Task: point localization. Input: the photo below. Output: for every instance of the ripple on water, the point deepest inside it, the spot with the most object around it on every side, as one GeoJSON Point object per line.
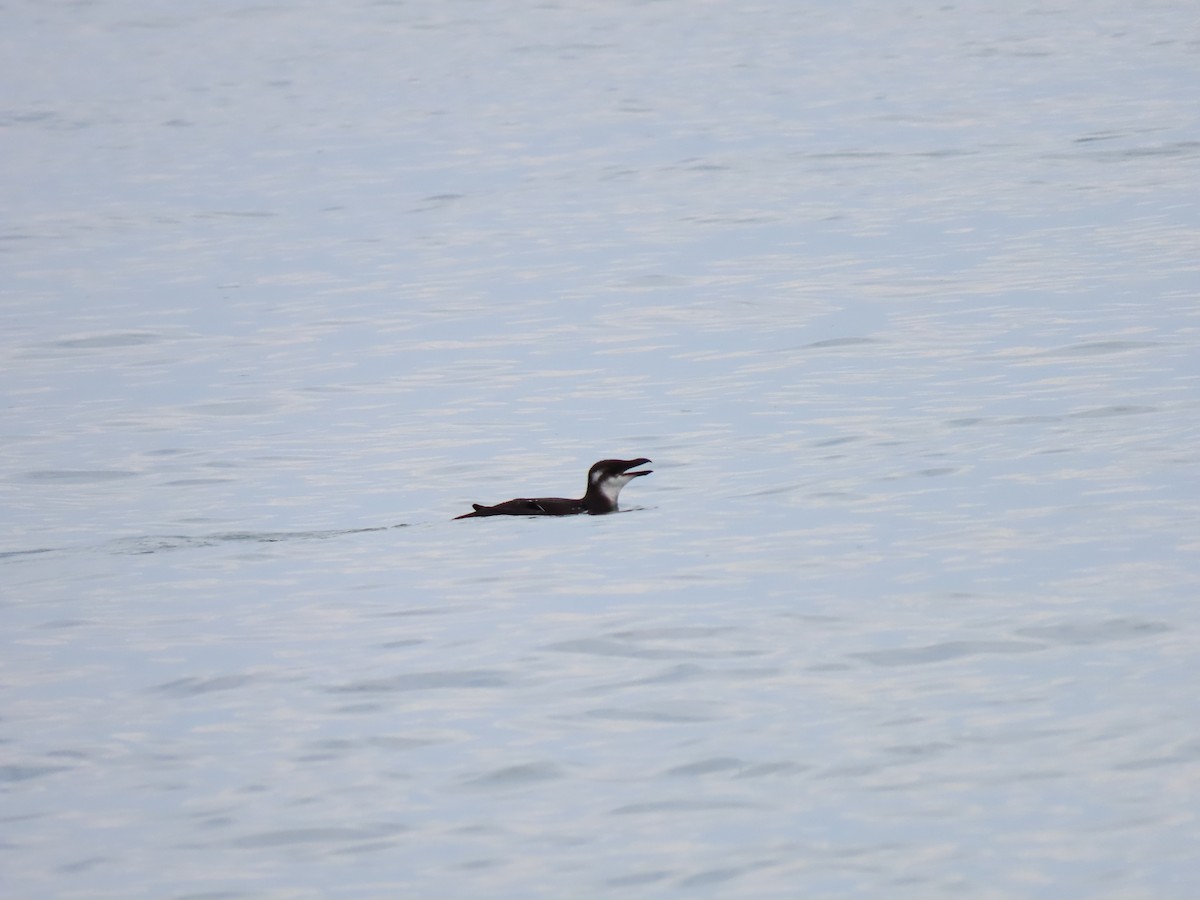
{"type": "Point", "coordinates": [105, 341]}
{"type": "Point", "coordinates": [610, 647]}
{"type": "Point", "coordinates": [194, 686]}
{"type": "Point", "coordinates": [681, 806]}
{"type": "Point", "coordinates": [428, 681]}
{"type": "Point", "coordinates": [516, 776]}
{"type": "Point", "coordinates": [1082, 633]}
{"type": "Point", "coordinates": [26, 772]}
{"type": "Point", "coordinates": [78, 476]}
{"type": "Point", "coordinates": [1099, 348]}
{"type": "Point", "coordinates": [935, 653]}
{"type": "Point", "coordinates": [290, 836]}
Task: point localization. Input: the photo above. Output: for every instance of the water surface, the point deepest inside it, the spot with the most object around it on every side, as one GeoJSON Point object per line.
{"type": "Point", "coordinates": [901, 301]}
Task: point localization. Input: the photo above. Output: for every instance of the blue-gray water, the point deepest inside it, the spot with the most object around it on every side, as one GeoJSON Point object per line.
{"type": "Point", "coordinates": [903, 301]}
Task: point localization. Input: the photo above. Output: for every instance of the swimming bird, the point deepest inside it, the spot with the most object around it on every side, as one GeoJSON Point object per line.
{"type": "Point", "coordinates": [604, 482]}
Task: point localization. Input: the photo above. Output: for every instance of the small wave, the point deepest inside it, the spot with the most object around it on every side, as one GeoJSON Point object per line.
{"type": "Point", "coordinates": [78, 476]}
{"type": "Point", "coordinates": [1083, 633]}
{"type": "Point", "coordinates": [426, 681]}
{"type": "Point", "coordinates": [17, 554]}
{"type": "Point", "coordinates": [163, 542]}
{"type": "Point", "coordinates": [934, 653]}
{"type": "Point", "coordinates": [1096, 348]}
{"type": "Point", "coordinates": [105, 341]}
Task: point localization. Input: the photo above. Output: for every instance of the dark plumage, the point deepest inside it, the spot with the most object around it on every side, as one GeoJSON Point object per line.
{"type": "Point", "coordinates": [604, 483]}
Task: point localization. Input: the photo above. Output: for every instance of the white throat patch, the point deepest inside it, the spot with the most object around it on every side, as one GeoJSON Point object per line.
{"type": "Point", "coordinates": [611, 487]}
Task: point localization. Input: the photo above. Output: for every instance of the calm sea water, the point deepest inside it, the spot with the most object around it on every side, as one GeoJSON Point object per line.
{"type": "Point", "coordinates": [902, 301]}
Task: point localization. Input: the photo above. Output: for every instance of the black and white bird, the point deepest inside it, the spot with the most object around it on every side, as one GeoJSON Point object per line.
{"type": "Point", "coordinates": [604, 482]}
